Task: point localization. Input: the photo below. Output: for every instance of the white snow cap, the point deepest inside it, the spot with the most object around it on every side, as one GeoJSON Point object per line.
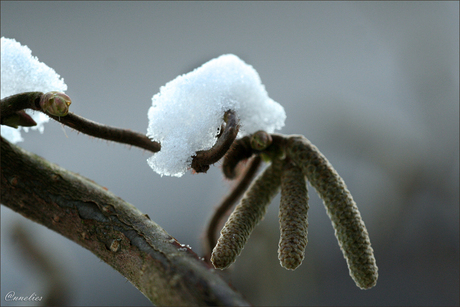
{"type": "Point", "coordinates": [23, 72]}
{"type": "Point", "coordinates": [187, 113]}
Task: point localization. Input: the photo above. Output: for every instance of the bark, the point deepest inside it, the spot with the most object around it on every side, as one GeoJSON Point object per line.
{"type": "Point", "coordinates": [165, 271]}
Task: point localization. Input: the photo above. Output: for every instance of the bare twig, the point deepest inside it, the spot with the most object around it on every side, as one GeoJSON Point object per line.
{"type": "Point", "coordinates": [109, 133]}
{"type": "Point", "coordinates": [165, 271]}
{"type": "Point", "coordinates": [11, 105]}
{"type": "Point", "coordinates": [240, 150]}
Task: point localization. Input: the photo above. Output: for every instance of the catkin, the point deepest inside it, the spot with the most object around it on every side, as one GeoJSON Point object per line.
{"type": "Point", "coordinates": [342, 210]}
{"type": "Point", "coordinates": [293, 217]}
{"type": "Point", "coordinates": [247, 214]}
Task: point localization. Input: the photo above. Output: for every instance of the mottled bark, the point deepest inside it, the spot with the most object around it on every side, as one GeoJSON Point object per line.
{"type": "Point", "coordinates": [165, 271]}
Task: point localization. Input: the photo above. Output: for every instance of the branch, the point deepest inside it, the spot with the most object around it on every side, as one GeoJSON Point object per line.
{"type": "Point", "coordinates": [204, 158]}
{"type": "Point", "coordinates": [107, 132]}
{"type": "Point", "coordinates": [58, 110]}
{"type": "Point", "coordinates": [165, 271]}
{"type": "Point", "coordinates": [18, 102]}
{"type": "Point", "coordinates": [239, 151]}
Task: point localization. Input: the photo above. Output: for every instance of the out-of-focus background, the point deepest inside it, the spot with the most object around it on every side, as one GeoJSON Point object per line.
{"type": "Point", "coordinates": [375, 85]}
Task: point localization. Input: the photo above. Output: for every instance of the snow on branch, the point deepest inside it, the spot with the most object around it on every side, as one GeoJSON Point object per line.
{"type": "Point", "coordinates": [187, 114]}
{"type": "Point", "coordinates": [23, 72]}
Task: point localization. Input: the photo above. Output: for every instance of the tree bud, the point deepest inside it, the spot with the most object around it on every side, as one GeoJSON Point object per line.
{"type": "Point", "coordinates": [55, 103]}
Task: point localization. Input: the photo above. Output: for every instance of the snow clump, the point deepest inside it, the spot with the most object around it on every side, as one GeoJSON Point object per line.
{"type": "Point", "coordinates": [23, 72]}
{"type": "Point", "coordinates": [187, 113]}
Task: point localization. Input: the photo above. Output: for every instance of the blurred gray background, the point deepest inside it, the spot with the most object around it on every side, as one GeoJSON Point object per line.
{"type": "Point", "coordinates": [375, 85]}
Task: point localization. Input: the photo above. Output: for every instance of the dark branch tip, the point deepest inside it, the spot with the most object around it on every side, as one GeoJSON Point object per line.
{"type": "Point", "coordinates": [226, 137]}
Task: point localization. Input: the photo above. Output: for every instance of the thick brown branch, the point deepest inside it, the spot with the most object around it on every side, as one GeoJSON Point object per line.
{"type": "Point", "coordinates": [165, 271]}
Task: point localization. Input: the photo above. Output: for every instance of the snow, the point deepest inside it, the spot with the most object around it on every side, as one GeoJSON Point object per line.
{"type": "Point", "coordinates": [23, 72]}
{"type": "Point", "coordinates": [188, 111]}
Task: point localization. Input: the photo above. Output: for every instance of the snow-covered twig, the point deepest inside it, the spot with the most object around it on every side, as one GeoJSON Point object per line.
{"type": "Point", "coordinates": [24, 73]}
{"type": "Point", "coordinates": [187, 113]}
{"type": "Point", "coordinates": [204, 158]}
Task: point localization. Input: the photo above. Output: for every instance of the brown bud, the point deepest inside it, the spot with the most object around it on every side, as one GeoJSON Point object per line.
{"type": "Point", "coordinates": [260, 140]}
{"type": "Point", "coordinates": [55, 103]}
{"type": "Point", "coordinates": [19, 118]}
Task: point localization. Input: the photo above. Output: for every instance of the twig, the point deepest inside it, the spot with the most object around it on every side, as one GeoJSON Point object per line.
{"type": "Point", "coordinates": [204, 158]}
{"type": "Point", "coordinates": [109, 133]}
{"type": "Point", "coordinates": [239, 151]}
{"type": "Point", "coordinates": [165, 271]}
{"type": "Point", "coordinates": [14, 103]}
{"type": "Point", "coordinates": [10, 105]}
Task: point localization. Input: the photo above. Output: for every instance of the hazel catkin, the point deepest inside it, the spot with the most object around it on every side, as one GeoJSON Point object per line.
{"type": "Point", "coordinates": [350, 231]}
{"type": "Point", "coordinates": [247, 214]}
{"type": "Point", "coordinates": [293, 215]}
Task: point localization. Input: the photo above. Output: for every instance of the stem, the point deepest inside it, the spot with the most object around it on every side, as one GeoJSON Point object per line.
{"type": "Point", "coordinates": [14, 103]}
{"type": "Point", "coordinates": [240, 150]}
{"type": "Point", "coordinates": [204, 158]}
{"type": "Point", "coordinates": [107, 132]}
{"type": "Point", "coordinates": [30, 100]}
{"type": "Point", "coordinates": [165, 271]}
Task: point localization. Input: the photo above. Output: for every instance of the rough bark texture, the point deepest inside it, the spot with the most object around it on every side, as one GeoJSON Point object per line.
{"type": "Point", "coordinates": [165, 271]}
